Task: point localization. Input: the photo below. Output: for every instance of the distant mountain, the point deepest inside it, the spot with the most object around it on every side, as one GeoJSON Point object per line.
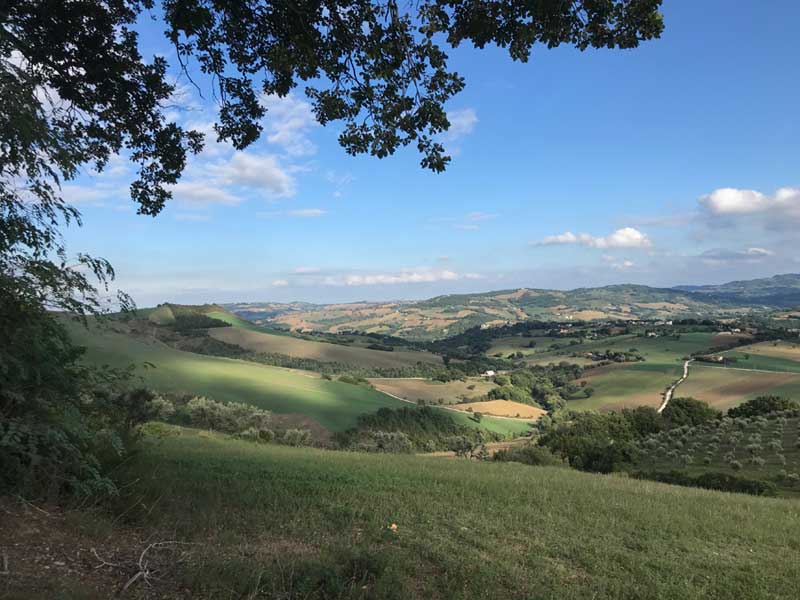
{"type": "Point", "coordinates": [452, 314]}
{"type": "Point", "coordinates": [778, 291]}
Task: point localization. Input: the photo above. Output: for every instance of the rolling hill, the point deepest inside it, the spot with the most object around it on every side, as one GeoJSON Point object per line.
{"type": "Point", "coordinates": [452, 314]}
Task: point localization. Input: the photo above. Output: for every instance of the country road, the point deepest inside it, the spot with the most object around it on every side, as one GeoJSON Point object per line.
{"type": "Point", "coordinates": [671, 390]}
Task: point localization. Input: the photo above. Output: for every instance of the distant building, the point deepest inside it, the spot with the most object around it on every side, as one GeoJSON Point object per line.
{"type": "Point", "coordinates": [489, 374]}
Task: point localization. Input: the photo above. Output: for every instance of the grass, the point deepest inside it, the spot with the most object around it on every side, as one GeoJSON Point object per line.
{"type": "Point", "coordinates": [642, 383]}
{"type": "Point", "coordinates": [724, 388]}
{"type": "Point", "coordinates": [276, 522]}
{"type": "Point", "coordinates": [332, 404]}
{"type": "Point", "coordinates": [260, 341]}
{"type": "Point", "coordinates": [433, 391]}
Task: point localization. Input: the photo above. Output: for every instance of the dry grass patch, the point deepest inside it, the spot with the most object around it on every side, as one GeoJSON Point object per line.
{"type": "Point", "coordinates": [432, 391]}
{"type": "Point", "coordinates": [724, 388]}
{"type": "Point", "coordinates": [503, 408]}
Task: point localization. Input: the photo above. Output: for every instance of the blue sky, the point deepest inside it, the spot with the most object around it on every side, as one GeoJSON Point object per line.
{"type": "Point", "coordinates": [674, 163]}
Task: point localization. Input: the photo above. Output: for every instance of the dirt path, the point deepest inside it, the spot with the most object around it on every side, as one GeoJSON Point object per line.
{"type": "Point", "coordinates": [668, 394]}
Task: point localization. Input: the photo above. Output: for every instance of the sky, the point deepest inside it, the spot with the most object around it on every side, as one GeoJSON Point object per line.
{"type": "Point", "coordinates": [674, 163]}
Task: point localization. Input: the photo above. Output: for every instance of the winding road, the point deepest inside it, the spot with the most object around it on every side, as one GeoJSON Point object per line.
{"type": "Point", "coordinates": [671, 389]}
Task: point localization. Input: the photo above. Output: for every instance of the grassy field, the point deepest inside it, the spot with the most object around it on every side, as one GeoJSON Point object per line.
{"type": "Point", "coordinates": [724, 388]}
{"type": "Point", "coordinates": [641, 383]}
{"type": "Point", "coordinates": [433, 391]}
{"type": "Point", "coordinates": [768, 356]}
{"type": "Point", "coordinates": [713, 448]}
{"type": "Point", "coordinates": [281, 522]}
{"type": "Point", "coordinates": [258, 341]}
{"type": "Point", "coordinates": [333, 405]}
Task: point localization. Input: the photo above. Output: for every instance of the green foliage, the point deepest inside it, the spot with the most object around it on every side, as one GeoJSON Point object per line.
{"type": "Point", "coordinates": [763, 405]}
{"type": "Point", "coordinates": [230, 417]}
{"type": "Point", "coordinates": [192, 321]}
{"type": "Point", "coordinates": [688, 411]}
{"type": "Point", "coordinates": [296, 437]}
{"type": "Point", "coordinates": [712, 481]}
{"type": "Point", "coordinates": [427, 429]}
{"type": "Point", "coordinates": [529, 454]}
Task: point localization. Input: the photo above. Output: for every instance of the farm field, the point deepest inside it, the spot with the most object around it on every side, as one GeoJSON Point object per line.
{"type": "Point", "coordinates": [259, 341]}
{"type": "Point", "coordinates": [626, 386]}
{"type": "Point", "coordinates": [433, 391]}
{"type": "Point", "coordinates": [503, 408]}
{"type": "Point", "coordinates": [331, 404]}
{"type": "Point", "coordinates": [767, 356]}
{"type": "Point", "coordinates": [724, 388]}
{"type": "Point", "coordinates": [275, 521]}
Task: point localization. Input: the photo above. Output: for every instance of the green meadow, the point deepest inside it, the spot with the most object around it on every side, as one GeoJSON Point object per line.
{"type": "Point", "coordinates": [280, 522]}
{"type": "Point", "coordinates": [332, 404]}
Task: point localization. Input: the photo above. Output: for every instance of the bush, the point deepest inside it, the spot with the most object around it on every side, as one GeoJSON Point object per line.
{"type": "Point", "coordinates": [231, 417]}
{"type": "Point", "coordinates": [763, 405]}
{"type": "Point", "coordinates": [688, 411]}
{"type": "Point", "coordinates": [529, 454]}
{"type": "Point", "coordinates": [395, 442]}
{"type": "Point", "coordinates": [296, 437]}
{"type": "Point", "coordinates": [712, 481]}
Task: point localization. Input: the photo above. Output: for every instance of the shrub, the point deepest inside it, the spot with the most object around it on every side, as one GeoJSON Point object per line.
{"type": "Point", "coordinates": [688, 411]}
{"type": "Point", "coordinates": [257, 435]}
{"type": "Point", "coordinates": [296, 437]}
{"type": "Point", "coordinates": [231, 417]}
{"type": "Point", "coordinates": [763, 405]}
{"type": "Point", "coordinates": [735, 465]}
{"type": "Point", "coordinates": [529, 455]}
{"type": "Point", "coordinates": [757, 461]}
{"type": "Point", "coordinates": [713, 481]}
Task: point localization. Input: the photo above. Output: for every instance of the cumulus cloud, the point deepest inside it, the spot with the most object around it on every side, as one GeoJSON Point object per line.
{"type": "Point", "coordinates": [783, 204]}
{"type": "Point", "coordinates": [280, 283]}
{"type": "Point", "coordinates": [627, 237]}
{"type": "Point", "coordinates": [462, 122]}
{"type": "Point", "coordinates": [306, 270]}
{"type": "Point", "coordinates": [288, 122]}
{"type": "Point", "coordinates": [197, 193]}
{"type": "Point", "coordinates": [258, 171]}
{"type": "Point", "coordinates": [722, 256]}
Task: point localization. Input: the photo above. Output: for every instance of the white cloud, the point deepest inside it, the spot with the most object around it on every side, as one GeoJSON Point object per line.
{"type": "Point", "coordinates": [466, 227]}
{"type": "Point", "coordinates": [196, 193]}
{"type": "Point", "coordinates": [783, 204]}
{"type": "Point", "coordinates": [462, 122]}
{"type": "Point", "coordinates": [627, 237]}
{"type": "Point", "coordinates": [259, 171]}
{"type": "Point", "coordinates": [404, 276]}
{"type": "Point", "coordinates": [306, 270]}
{"type": "Point", "coordinates": [280, 283]}
{"type": "Point", "coordinates": [307, 213]}
{"type": "Point", "coordinates": [84, 194]}
{"type": "Point", "coordinates": [287, 124]}
{"type": "Point", "coordinates": [722, 256]}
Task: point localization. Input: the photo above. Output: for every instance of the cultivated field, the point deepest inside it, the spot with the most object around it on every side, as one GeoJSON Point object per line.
{"type": "Point", "coordinates": [257, 341]}
{"type": "Point", "coordinates": [724, 388]}
{"type": "Point", "coordinates": [768, 356]}
{"type": "Point", "coordinates": [279, 522]}
{"type": "Point", "coordinates": [433, 391]}
{"type": "Point", "coordinates": [503, 408]}
{"type": "Point", "coordinates": [330, 404]}
{"type": "Point", "coordinates": [765, 449]}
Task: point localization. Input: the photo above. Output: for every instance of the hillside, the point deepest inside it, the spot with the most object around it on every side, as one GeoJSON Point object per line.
{"type": "Point", "coordinates": [777, 291]}
{"type": "Point", "coordinates": [243, 520]}
{"type": "Point", "coordinates": [452, 314]}
{"type": "Point", "coordinates": [303, 398]}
